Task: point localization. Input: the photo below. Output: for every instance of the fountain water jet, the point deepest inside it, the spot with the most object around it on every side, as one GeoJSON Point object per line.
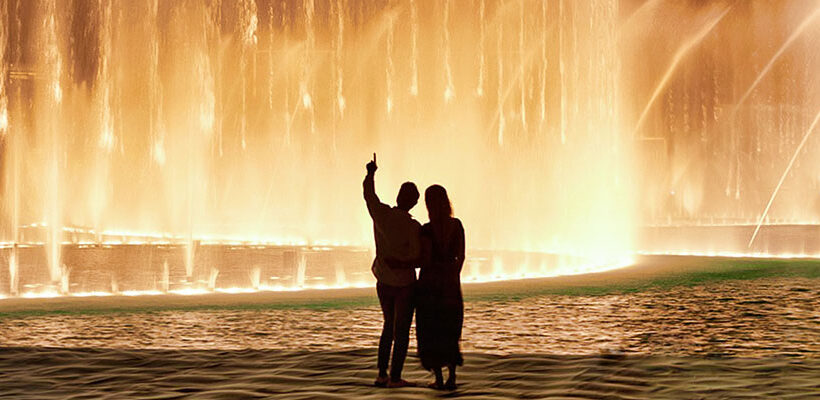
{"type": "Point", "coordinates": [106, 138]}
{"type": "Point", "coordinates": [499, 97]}
{"type": "Point", "coordinates": [4, 34]}
{"type": "Point", "coordinates": [521, 67]}
{"type": "Point", "coordinates": [682, 51]}
{"type": "Point", "coordinates": [544, 62]}
{"type": "Point", "coordinates": [305, 85]}
{"type": "Point", "coordinates": [561, 72]}
{"type": "Point", "coordinates": [10, 139]}
{"type": "Point", "coordinates": [390, 68]}
{"type": "Point", "coordinates": [481, 59]}
{"type": "Point", "coordinates": [338, 54]}
{"type": "Point", "coordinates": [248, 22]}
{"type": "Point", "coordinates": [165, 280]}
{"type": "Point", "coordinates": [449, 90]}
{"type": "Point", "coordinates": [206, 157]}
{"type": "Point", "coordinates": [212, 276]}
{"type": "Point", "coordinates": [804, 25]}
{"type": "Point", "coordinates": [255, 277]}
{"type": "Point", "coordinates": [51, 132]}
{"type": "Point", "coordinates": [792, 38]}
{"type": "Point", "coordinates": [783, 177]}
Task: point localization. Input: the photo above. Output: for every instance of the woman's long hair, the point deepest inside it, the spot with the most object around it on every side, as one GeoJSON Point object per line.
{"type": "Point", "coordinates": [438, 203]}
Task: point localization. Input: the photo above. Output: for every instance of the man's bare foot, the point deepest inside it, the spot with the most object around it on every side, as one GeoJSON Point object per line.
{"type": "Point", "coordinates": [400, 384]}
{"type": "Point", "coordinates": [450, 385]}
{"type": "Point", "coordinates": [381, 381]}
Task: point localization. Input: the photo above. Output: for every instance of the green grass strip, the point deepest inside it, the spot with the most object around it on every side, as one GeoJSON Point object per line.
{"type": "Point", "coordinates": [720, 269]}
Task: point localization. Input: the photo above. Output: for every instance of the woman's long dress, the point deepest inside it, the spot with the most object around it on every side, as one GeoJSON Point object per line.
{"type": "Point", "coordinates": [439, 304]}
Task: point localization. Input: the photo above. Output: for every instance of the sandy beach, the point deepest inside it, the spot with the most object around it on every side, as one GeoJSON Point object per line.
{"type": "Point", "coordinates": [681, 328]}
{"type": "Point", "coordinates": [45, 373]}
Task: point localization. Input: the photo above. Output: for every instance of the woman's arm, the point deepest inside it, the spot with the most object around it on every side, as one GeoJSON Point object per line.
{"type": "Point", "coordinates": [425, 251]}
{"type": "Point", "coordinates": [459, 245]}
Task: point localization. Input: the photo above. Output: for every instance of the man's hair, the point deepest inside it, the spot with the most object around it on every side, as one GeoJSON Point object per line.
{"type": "Point", "coordinates": [408, 196]}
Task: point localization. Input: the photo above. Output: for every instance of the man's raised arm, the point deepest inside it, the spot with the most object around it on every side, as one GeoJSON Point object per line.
{"type": "Point", "coordinates": [369, 184]}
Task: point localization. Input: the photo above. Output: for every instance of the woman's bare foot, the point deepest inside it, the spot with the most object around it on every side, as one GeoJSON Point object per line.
{"type": "Point", "coordinates": [451, 379]}
{"type": "Point", "coordinates": [437, 385]}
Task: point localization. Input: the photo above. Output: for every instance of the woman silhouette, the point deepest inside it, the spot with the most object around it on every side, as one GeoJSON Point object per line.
{"type": "Point", "coordinates": [440, 307]}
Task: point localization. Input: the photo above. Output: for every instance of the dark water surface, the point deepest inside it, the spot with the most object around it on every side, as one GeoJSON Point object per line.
{"type": "Point", "coordinates": [758, 318]}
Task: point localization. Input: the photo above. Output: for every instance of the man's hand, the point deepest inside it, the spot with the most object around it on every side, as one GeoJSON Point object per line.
{"type": "Point", "coordinates": [369, 186]}
{"type": "Point", "coordinates": [371, 166]}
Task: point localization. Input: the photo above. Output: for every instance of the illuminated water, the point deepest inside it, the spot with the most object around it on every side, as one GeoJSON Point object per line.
{"type": "Point", "coordinates": [134, 268]}
{"type": "Point", "coordinates": [773, 317]}
{"type": "Point", "coordinates": [151, 136]}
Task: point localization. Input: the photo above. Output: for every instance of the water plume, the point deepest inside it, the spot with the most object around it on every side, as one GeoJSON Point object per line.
{"type": "Point", "coordinates": [791, 39]}
{"type": "Point", "coordinates": [799, 148]}
{"type": "Point", "coordinates": [687, 45]}
{"type": "Point", "coordinates": [225, 133]}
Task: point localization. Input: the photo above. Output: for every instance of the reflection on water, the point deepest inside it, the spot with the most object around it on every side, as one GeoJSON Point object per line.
{"type": "Point", "coordinates": [760, 318]}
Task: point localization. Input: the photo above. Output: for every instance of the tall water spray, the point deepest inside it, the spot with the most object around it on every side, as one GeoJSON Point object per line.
{"type": "Point", "coordinates": [106, 135]}
{"type": "Point", "coordinates": [391, 68]}
{"type": "Point", "coordinates": [11, 183]}
{"type": "Point", "coordinates": [729, 102]}
{"type": "Point", "coordinates": [50, 106]}
{"type": "Point", "coordinates": [4, 34]}
{"type": "Point", "coordinates": [338, 58]}
{"type": "Point", "coordinates": [196, 137]}
{"type": "Point", "coordinates": [247, 122]}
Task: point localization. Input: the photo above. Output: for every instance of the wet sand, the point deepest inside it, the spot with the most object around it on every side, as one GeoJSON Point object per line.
{"type": "Point", "coordinates": [42, 373]}
{"type": "Point", "coordinates": [772, 317]}
{"type": "Point", "coordinates": [687, 329]}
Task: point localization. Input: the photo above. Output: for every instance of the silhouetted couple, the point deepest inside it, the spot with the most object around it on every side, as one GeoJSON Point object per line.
{"type": "Point", "coordinates": [437, 249]}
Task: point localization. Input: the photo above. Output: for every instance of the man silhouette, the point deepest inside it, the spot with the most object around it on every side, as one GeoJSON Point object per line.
{"type": "Point", "coordinates": [397, 246]}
